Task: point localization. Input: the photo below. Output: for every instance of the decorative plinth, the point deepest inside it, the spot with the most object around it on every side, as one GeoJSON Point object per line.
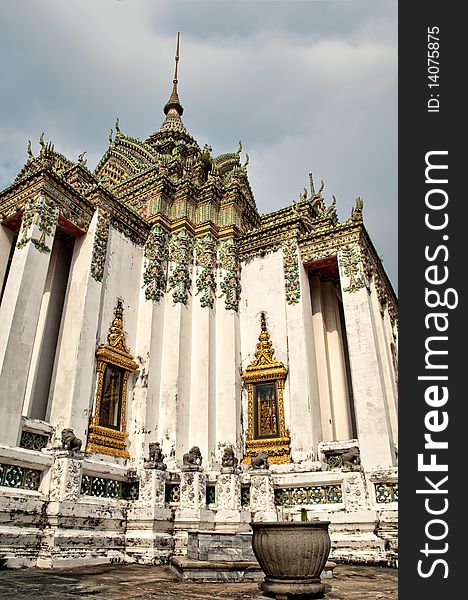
{"type": "Point", "coordinates": [262, 495]}
{"type": "Point", "coordinates": [188, 569]}
{"type": "Point", "coordinates": [285, 589]}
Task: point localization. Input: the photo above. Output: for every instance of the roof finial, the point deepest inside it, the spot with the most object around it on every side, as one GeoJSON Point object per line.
{"type": "Point", "coordinates": [173, 106]}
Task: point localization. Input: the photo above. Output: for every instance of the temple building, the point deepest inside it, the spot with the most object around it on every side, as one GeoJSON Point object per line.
{"type": "Point", "coordinates": [148, 310]}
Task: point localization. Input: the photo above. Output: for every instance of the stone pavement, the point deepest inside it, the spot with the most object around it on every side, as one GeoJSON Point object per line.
{"type": "Point", "coordinates": [138, 582]}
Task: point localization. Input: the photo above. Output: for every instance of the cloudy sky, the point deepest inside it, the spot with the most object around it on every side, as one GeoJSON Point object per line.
{"type": "Point", "coordinates": [306, 85]}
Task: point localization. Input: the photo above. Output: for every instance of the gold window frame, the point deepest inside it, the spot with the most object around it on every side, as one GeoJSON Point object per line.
{"type": "Point", "coordinates": [265, 369]}
{"type": "Point", "coordinates": [107, 440]}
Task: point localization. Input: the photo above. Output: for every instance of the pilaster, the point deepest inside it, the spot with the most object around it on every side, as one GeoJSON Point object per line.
{"type": "Point", "coordinates": [373, 430]}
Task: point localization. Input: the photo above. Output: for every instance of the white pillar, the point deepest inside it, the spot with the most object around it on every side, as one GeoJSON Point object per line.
{"type": "Point", "coordinates": [228, 382]}
{"type": "Point", "coordinates": [74, 377]}
{"type": "Point", "coordinates": [320, 339]}
{"type": "Point", "coordinates": [368, 389]}
{"type": "Point", "coordinates": [303, 406]}
{"type": "Point", "coordinates": [19, 313]}
{"type": "Point", "coordinates": [45, 342]}
{"type": "Point", "coordinates": [200, 379]}
{"type": "Point", "coordinates": [173, 427]}
{"type": "Point", "coordinates": [342, 424]}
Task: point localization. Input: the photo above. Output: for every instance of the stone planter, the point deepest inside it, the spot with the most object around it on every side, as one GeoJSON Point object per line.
{"type": "Point", "coordinates": [292, 554]}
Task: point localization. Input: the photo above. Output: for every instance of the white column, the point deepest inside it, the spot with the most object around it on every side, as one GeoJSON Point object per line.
{"type": "Point", "coordinates": [321, 355]}
{"type": "Point", "coordinates": [368, 390]}
{"type": "Point", "coordinates": [337, 366]}
{"type": "Point", "coordinates": [74, 377]}
{"type": "Point", "coordinates": [19, 313]}
{"type": "Point", "coordinates": [45, 342]}
{"type": "Point", "coordinates": [228, 383]}
{"type": "Point", "coordinates": [200, 380]}
{"type": "Point", "coordinates": [143, 410]}
{"type": "Point", "coordinates": [304, 404]}
{"type": "Point", "coordinates": [173, 427]}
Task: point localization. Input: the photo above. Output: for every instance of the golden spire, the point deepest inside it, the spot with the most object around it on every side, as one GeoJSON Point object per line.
{"type": "Point", "coordinates": [173, 107]}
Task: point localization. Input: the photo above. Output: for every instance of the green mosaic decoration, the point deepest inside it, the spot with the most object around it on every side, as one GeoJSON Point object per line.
{"type": "Point", "coordinates": [386, 492]}
{"type": "Point", "coordinates": [245, 495]}
{"type": "Point", "coordinates": [98, 259]}
{"type": "Point", "coordinates": [109, 488]}
{"type": "Point", "coordinates": [156, 255]}
{"type": "Point", "coordinates": [210, 494]}
{"type": "Point", "coordinates": [297, 496]}
{"type": "Point", "coordinates": [181, 258]}
{"type": "Point", "coordinates": [205, 259]}
{"type": "Point", "coordinates": [230, 284]}
{"type": "Point", "coordinates": [14, 476]}
{"type": "Point", "coordinates": [349, 261]}
{"type": "Point", "coordinates": [33, 441]}
{"type": "Point", "coordinates": [172, 493]}
{"type": "Point", "coordinates": [43, 212]}
{"type": "Point", "coordinates": [291, 272]}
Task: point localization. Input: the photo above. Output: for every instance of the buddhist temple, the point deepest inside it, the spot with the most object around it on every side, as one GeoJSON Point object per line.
{"type": "Point", "coordinates": [174, 364]}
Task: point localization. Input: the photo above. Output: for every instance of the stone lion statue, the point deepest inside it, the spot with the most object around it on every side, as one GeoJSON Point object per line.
{"type": "Point", "coordinates": [351, 459]}
{"type": "Point", "coordinates": [192, 459]}
{"type": "Point", "coordinates": [229, 459]}
{"type": "Point", "coordinates": [260, 461]}
{"type": "Point", "coordinates": [156, 457]}
{"type": "Point", "coordinates": [70, 441]}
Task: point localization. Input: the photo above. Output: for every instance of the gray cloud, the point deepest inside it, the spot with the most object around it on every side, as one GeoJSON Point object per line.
{"type": "Point", "coordinates": [305, 85]}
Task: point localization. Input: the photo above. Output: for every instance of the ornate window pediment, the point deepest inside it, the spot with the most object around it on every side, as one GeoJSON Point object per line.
{"type": "Point", "coordinates": [107, 429]}
{"type": "Point", "coordinates": [264, 379]}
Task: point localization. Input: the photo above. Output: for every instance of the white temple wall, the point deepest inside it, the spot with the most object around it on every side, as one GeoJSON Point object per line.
{"type": "Point", "coordinates": [6, 240]}
{"type": "Point", "coordinates": [121, 280]}
{"type": "Point", "coordinates": [73, 380]}
{"type": "Point", "coordinates": [19, 314]}
{"type": "Point", "coordinates": [263, 291]}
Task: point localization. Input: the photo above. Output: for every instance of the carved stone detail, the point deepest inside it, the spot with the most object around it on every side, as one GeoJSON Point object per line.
{"type": "Point", "coordinates": [291, 271]}
{"type": "Point", "coordinates": [156, 254]}
{"type": "Point", "coordinates": [230, 284]}
{"type": "Point", "coordinates": [205, 260]}
{"type": "Point", "coordinates": [181, 259]}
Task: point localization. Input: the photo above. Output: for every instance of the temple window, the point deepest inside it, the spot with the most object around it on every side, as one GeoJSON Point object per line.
{"type": "Point", "coordinates": [266, 421]}
{"type": "Point", "coordinates": [111, 400]}
{"type": "Point", "coordinates": [264, 379]}
{"type": "Point", "coordinates": [114, 362]}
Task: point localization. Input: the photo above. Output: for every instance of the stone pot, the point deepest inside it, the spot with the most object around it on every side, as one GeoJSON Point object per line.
{"type": "Point", "coordinates": [292, 554]}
